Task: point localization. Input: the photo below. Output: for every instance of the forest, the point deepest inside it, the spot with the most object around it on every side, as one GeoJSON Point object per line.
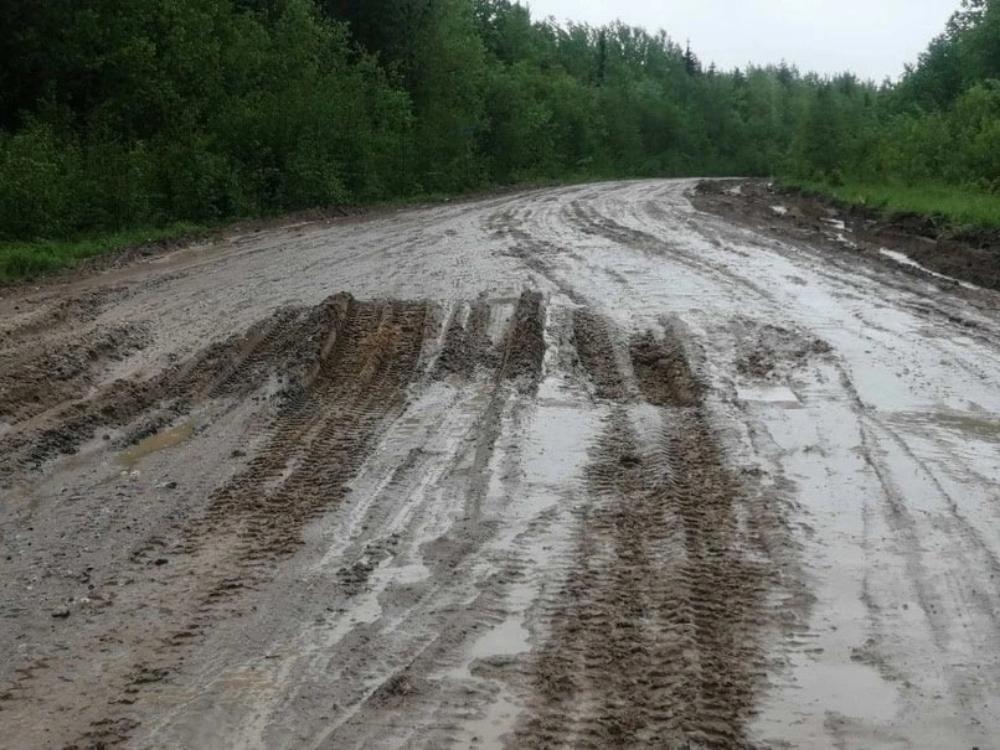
{"type": "Point", "coordinates": [117, 114]}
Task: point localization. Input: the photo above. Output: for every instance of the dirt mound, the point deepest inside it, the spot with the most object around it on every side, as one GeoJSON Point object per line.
{"type": "Point", "coordinates": [663, 372]}
{"type": "Point", "coordinates": [35, 378]}
{"type": "Point", "coordinates": [597, 355]}
{"type": "Point", "coordinates": [467, 342]}
{"type": "Point", "coordinates": [967, 255]}
{"type": "Point", "coordinates": [524, 349]}
{"type": "Point", "coordinates": [769, 352]}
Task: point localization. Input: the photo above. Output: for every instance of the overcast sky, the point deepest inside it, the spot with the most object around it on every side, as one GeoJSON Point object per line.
{"type": "Point", "coordinates": [873, 38]}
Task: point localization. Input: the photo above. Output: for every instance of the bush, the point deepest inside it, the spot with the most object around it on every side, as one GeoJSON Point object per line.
{"type": "Point", "coordinates": [37, 173]}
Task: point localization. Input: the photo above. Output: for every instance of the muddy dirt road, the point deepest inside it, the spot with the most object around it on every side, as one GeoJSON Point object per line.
{"type": "Point", "coordinates": [580, 467]}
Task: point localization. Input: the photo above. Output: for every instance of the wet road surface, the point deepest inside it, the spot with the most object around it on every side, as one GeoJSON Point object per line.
{"type": "Point", "coordinates": [577, 467]}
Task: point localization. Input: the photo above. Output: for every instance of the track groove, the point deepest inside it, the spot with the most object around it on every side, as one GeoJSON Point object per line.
{"type": "Point", "coordinates": [653, 636]}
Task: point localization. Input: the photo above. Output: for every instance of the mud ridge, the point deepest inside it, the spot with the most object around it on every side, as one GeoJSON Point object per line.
{"type": "Point", "coordinates": [524, 348]}
{"type": "Point", "coordinates": [663, 372]}
{"type": "Point", "coordinates": [467, 342]}
{"type": "Point", "coordinates": [34, 379]}
{"type": "Point", "coordinates": [282, 347]}
{"type": "Point", "coordinates": [322, 433]}
{"type": "Point", "coordinates": [597, 354]}
{"type": "Point", "coordinates": [655, 640]}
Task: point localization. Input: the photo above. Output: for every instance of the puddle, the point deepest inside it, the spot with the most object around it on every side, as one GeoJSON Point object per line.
{"type": "Point", "coordinates": [557, 444]}
{"type": "Point", "coordinates": [493, 728]}
{"type": "Point", "coordinates": [777, 395]}
{"type": "Point", "coordinates": [853, 690]}
{"type": "Point", "coordinates": [500, 316]}
{"type": "Point", "coordinates": [155, 443]}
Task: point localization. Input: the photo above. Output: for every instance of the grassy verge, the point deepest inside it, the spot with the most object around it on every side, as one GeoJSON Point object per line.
{"type": "Point", "coordinates": [956, 205]}
{"type": "Point", "coordinates": [25, 260]}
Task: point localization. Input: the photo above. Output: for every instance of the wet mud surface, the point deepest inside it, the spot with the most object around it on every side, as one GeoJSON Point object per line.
{"type": "Point", "coordinates": [655, 645]}
{"type": "Point", "coordinates": [576, 467]}
{"type": "Point", "coordinates": [969, 256]}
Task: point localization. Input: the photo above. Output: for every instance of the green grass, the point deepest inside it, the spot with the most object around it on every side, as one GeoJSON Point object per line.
{"type": "Point", "coordinates": [26, 260]}
{"type": "Point", "coordinates": [956, 205]}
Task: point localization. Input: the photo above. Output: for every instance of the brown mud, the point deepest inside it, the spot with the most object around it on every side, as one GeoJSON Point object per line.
{"type": "Point", "coordinates": [772, 352]}
{"type": "Point", "coordinates": [657, 644]}
{"type": "Point", "coordinates": [663, 371]}
{"type": "Point", "coordinates": [969, 256]}
{"type": "Point", "coordinates": [597, 355]}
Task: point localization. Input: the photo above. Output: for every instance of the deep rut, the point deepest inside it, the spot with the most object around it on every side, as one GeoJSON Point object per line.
{"type": "Point", "coordinates": [281, 347]}
{"type": "Point", "coordinates": [324, 431]}
{"type": "Point", "coordinates": [340, 372]}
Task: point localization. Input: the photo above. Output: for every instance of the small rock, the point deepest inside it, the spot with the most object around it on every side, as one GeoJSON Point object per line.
{"type": "Point", "coordinates": [237, 453]}
{"type": "Point", "coordinates": [160, 561]}
{"type": "Point", "coordinates": [61, 613]}
{"type": "Point", "coordinates": [171, 485]}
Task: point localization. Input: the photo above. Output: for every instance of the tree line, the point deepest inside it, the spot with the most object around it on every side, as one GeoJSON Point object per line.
{"type": "Point", "coordinates": [119, 113]}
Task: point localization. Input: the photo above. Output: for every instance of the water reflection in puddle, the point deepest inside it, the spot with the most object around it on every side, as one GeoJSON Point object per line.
{"type": "Point", "coordinates": [155, 443]}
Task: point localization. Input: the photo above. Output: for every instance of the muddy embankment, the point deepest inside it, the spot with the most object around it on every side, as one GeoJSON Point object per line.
{"type": "Point", "coordinates": [916, 244]}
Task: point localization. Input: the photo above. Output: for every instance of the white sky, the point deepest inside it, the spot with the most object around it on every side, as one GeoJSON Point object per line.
{"type": "Point", "coordinates": [872, 38]}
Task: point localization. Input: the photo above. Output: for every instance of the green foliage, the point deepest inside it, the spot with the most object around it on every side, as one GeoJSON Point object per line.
{"type": "Point", "coordinates": [194, 110]}
{"type": "Point", "coordinates": [19, 259]}
{"type": "Point", "coordinates": [121, 113]}
{"type": "Point", "coordinates": [962, 206]}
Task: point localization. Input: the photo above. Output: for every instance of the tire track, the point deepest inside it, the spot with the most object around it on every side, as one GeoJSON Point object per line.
{"type": "Point", "coordinates": [653, 637]}
{"type": "Point", "coordinates": [282, 346]}
{"type": "Point", "coordinates": [663, 372]}
{"type": "Point", "coordinates": [590, 222]}
{"type": "Point", "coordinates": [368, 353]}
{"type": "Point", "coordinates": [597, 354]}
{"type": "Point", "coordinates": [41, 375]}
